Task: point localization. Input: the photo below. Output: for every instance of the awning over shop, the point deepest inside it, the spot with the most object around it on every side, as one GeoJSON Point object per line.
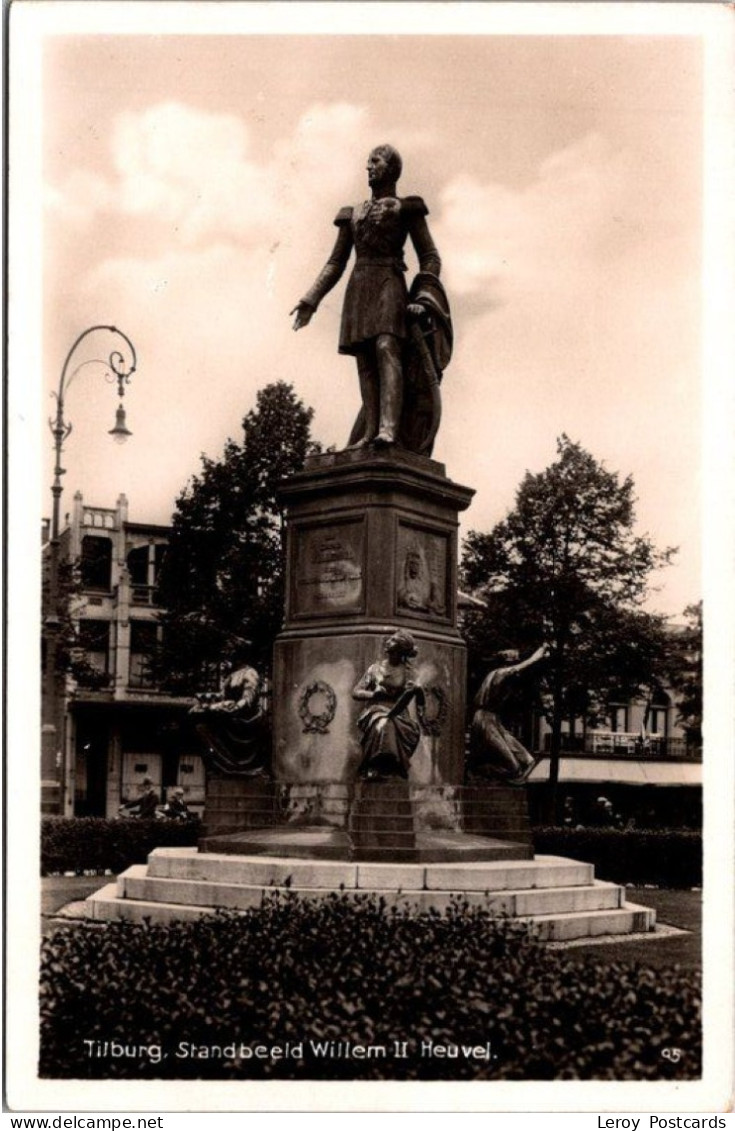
{"type": "Point", "coordinates": [621, 770]}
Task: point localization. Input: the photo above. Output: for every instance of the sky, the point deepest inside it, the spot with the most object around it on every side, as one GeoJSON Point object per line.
{"type": "Point", "coordinates": [189, 187]}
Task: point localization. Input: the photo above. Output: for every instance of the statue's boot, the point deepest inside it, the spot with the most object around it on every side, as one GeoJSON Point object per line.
{"type": "Point", "coordinates": [370, 402]}
{"type": "Point", "coordinates": [391, 388]}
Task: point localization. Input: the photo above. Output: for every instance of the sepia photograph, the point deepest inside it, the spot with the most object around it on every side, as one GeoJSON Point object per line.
{"type": "Point", "coordinates": [369, 702]}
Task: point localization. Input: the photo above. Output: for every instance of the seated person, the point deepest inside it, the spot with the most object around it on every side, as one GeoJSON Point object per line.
{"type": "Point", "coordinates": [176, 808]}
{"type": "Point", "coordinates": [144, 807]}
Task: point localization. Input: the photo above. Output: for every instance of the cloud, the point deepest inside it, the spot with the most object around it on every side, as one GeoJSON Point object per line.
{"type": "Point", "coordinates": [195, 173]}
{"type": "Point", "coordinates": [83, 196]}
{"type": "Point", "coordinates": [191, 170]}
{"type": "Point", "coordinates": [575, 311]}
{"type": "Point", "coordinates": [509, 240]}
{"type": "Point", "coordinates": [210, 248]}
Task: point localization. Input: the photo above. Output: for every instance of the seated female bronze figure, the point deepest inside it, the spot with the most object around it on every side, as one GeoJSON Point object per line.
{"type": "Point", "coordinates": [388, 734]}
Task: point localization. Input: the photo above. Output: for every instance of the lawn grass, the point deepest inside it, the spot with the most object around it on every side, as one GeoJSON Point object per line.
{"type": "Point", "coordinates": [57, 891]}
{"type": "Point", "coordinates": [681, 909]}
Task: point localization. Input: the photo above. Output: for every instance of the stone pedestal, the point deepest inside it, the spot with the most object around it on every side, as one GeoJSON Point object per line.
{"type": "Point", "coordinates": [233, 804]}
{"type": "Point", "coordinates": [371, 546]}
{"type": "Point", "coordinates": [382, 822]}
{"type": "Point", "coordinates": [495, 809]}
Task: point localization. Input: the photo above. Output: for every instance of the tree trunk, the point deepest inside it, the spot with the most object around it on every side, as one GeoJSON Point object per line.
{"type": "Point", "coordinates": [552, 799]}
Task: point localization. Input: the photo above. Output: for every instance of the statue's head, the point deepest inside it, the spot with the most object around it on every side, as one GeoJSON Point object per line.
{"type": "Point", "coordinates": [400, 645]}
{"type": "Point", "coordinates": [384, 164]}
{"type": "Point", "coordinates": [238, 654]}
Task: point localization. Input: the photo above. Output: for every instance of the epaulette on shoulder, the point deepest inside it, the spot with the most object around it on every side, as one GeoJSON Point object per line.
{"type": "Point", "coordinates": [344, 216]}
{"type": "Point", "coordinates": [415, 204]}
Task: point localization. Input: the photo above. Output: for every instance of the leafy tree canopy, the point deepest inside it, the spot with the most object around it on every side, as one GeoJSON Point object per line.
{"type": "Point", "coordinates": [685, 671]}
{"type": "Point", "coordinates": [221, 583]}
{"type": "Point", "coordinates": [567, 567]}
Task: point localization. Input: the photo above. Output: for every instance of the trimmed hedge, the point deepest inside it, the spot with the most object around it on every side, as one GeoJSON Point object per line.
{"type": "Point", "coordinates": [95, 844]}
{"type": "Point", "coordinates": [666, 858]}
{"type": "Point", "coordinates": [144, 1001]}
{"type": "Point", "coordinates": [670, 858]}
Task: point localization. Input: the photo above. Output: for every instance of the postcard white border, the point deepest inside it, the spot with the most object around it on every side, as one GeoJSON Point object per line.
{"type": "Point", "coordinates": [30, 21]}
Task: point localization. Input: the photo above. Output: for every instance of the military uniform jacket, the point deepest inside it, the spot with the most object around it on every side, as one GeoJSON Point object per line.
{"type": "Point", "coordinates": [376, 296]}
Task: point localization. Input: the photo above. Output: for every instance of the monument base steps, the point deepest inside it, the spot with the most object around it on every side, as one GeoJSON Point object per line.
{"type": "Point", "coordinates": [557, 897]}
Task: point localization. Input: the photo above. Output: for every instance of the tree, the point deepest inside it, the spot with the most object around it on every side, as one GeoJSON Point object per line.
{"type": "Point", "coordinates": [72, 644]}
{"type": "Point", "coordinates": [566, 567]}
{"type": "Point", "coordinates": [685, 672]}
{"type": "Point", "coordinates": [221, 582]}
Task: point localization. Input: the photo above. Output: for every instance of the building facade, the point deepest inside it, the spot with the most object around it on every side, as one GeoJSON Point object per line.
{"type": "Point", "coordinates": [113, 726]}
{"type": "Point", "coordinates": [641, 759]}
{"type": "Point", "coordinates": [116, 727]}
{"type": "Point", "coordinates": [642, 756]}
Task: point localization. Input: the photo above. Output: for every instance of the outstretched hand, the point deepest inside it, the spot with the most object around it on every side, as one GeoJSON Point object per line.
{"type": "Point", "coordinates": [303, 314]}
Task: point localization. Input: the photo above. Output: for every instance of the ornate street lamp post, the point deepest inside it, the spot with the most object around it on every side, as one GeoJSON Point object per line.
{"type": "Point", "coordinates": [119, 370]}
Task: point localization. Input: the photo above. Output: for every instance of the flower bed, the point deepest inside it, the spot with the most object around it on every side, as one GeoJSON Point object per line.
{"type": "Point", "coordinates": [457, 996]}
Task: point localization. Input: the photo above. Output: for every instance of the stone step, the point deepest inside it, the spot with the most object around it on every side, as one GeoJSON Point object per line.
{"type": "Point", "coordinates": [540, 872]}
{"type": "Point", "coordinates": [628, 919]}
{"type": "Point", "coordinates": [272, 871]}
{"type": "Point", "coordinates": [107, 905]}
{"type": "Point", "coordinates": [137, 884]}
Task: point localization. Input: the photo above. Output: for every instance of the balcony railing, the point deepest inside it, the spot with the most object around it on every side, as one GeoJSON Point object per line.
{"type": "Point", "coordinates": [626, 744]}
{"type": "Point", "coordinates": [102, 518]}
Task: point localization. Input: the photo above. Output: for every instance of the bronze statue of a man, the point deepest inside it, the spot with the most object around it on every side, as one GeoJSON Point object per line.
{"type": "Point", "coordinates": [401, 339]}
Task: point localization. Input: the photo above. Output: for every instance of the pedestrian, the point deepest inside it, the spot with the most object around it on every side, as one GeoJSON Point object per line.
{"type": "Point", "coordinates": [143, 807]}
{"type": "Point", "coordinates": [176, 808]}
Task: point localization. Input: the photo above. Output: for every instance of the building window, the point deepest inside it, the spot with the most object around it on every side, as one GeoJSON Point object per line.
{"type": "Point", "coordinates": [618, 718]}
{"type": "Point", "coordinates": [137, 561]}
{"type": "Point", "coordinates": [138, 569]}
{"type": "Point", "coordinates": [96, 563]}
{"type": "Point", "coordinates": [99, 518]}
{"type": "Point", "coordinates": [143, 640]}
{"type": "Point", "coordinates": [144, 564]}
{"type": "Point", "coordinates": [209, 676]}
{"type": "Point", "coordinates": [658, 716]}
{"type": "Point", "coordinates": [94, 642]}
